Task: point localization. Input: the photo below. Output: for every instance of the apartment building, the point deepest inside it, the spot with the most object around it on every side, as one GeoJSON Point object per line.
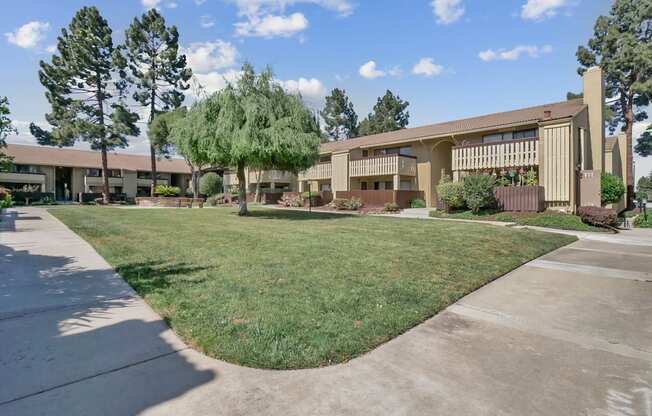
{"type": "Point", "coordinates": [68, 172]}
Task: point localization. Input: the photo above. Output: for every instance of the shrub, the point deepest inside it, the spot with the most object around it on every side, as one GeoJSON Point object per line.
{"type": "Point", "coordinates": [167, 190]}
{"type": "Point", "coordinates": [531, 178]}
{"type": "Point", "coordinates": [313, 194]}
{"type": "Point", "coordinates": [642, 223]}
{"type": "Point", "coordinates": [340, 203]}
{"type": "Point", "coordinates": [392, 207]}
{"type": "Point", "coordinates": [451, 193]}
{"type": "Point", "coordinates": [210, 184]}
{"type": "Point", "coordinates": [291, 201]}
{"type": "Point", "coordinates": [46, 200]}
{"type": "Point", "coordinates": [354, 204]}
{"type": "Point", "coordinates": [598, 216]}
{"type": "Point", "coordinates": [417, 203]}
{"type": "Point", "coordinates": [213, 200]}
{"type": "Point", "coordinates": [478, 191]}
{"type": "Point", "coordinates": [612, 188]}
{"type": "Point", "coordinates": [7, 201]}
{"type": "Point", "coordinates": [503, 181]}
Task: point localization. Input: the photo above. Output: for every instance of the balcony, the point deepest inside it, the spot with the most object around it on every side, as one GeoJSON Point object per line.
{"type": "Point", "coordinates": [383, 165]}
{"type": "Point", "coordinates": [97, 181]}
{"type": "Point", "coordinates": [143, 182]}
{"type": "Point", "coordinates": [317, 172]}
{"type": "Point", "coordinates": [271, 176]}
{"type": "Point", "coordinates": [15, 177]}
{"type": "Point", "coordinates": [496, 155]}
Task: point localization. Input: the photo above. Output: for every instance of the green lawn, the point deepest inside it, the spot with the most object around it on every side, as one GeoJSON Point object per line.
{"type": "Point", "coordinates": [287, 289]}
{"type": "Point", "coordinates": [548, 219]}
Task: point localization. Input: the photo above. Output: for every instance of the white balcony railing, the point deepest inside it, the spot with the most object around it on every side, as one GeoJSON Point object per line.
{"type": "Point", "coordinates": [97, 181]}
{"type": "Point", "coordinates": [383, 165]}
{"type": "Point", "coordinates": [14, 177]}
{"type": "Point", "coordinates": [319, 171]}
{"type": "Point", "coordinates": [496, 155]}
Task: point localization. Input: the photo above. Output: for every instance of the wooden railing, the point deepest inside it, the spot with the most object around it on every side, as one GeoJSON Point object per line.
{"type": "Point", "coordinates": [383, 165]}
{"type": "Point", "coordinates": [322, 170]}
{"type": "Point", "coordinates": [496, 155]}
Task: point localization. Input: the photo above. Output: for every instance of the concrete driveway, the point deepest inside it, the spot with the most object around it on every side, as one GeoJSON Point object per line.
{"type": "Point", "coordinates": [567, 334]}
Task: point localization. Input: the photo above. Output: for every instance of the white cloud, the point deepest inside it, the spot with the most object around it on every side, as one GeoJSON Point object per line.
{"type": "Point", "coordinates": [272, 25]}
{"type": "Point", "coordinates": [207, 21]}
{"type": "Point", "coordinates": [28, 35]}
{"type": "Point", "coordinates": [214, 81]}
{"type": "Point", "coordinates": [200, 2]}
{"type": "Point", "coordinates": [51, 49]}
{"type": "Point", "coordinates": [427, 67]}
{"type": "Point", "coordinates": [150, 4]}
{"type": "Point", "coordinates": [267, 18]}
{"type": "Point", "coordinates": [370, 70]}
{"type": "Point", "coordinates": [209, 56]}
{"type": "Point", "coordinates": [447, 11]}
{"type": "Point", "coordinates": [311, 88]}
{"type": "Point", "coordinates": [541, 9]}
{"type": "Point", "coordinates": [515, 53]}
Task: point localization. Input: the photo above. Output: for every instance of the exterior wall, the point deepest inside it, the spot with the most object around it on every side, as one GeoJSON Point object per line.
{"type": "Point", "coordinates": [615, 160]}
{"type": "Point", "coordinates": [130, 183]}
{"type": "Point", "coordinates": [49, 172]}
{"type": "Point", "coordinates": [555, 169]}
{"type": "Point", "coordinates": [77, 185]}
{"type": "Point", "coordinates": [594, 95]}
{"type": "Point", "coordinates": [340, 179]}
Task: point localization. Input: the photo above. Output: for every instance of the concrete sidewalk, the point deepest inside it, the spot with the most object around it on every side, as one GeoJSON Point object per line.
{"type": "Point", "coordinates": [567, 334]}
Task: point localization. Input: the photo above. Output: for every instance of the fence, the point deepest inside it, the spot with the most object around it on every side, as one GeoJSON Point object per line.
{"type": "Point", "coordinates": [378, 198]}
{"type": "Point", "coordinates": [520, 198]}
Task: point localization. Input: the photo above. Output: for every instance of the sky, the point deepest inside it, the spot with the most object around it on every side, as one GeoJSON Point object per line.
{"type": "Point", "coordinates": [449, 58]}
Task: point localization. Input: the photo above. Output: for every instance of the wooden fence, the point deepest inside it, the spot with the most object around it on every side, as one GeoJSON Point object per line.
{"type": "Point", "coordinates": [378, 198]}
{"type": "Point", "coordinates": [520, 198]}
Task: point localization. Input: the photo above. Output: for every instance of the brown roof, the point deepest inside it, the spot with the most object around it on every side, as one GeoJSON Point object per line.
{"type": "Point", "coordinates": [530, 115]}
{"type": "Point", "coordinates": [54, 156]}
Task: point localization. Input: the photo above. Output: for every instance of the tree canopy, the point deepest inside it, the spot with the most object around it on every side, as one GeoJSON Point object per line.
{"type": "Point", "coordinates": [256, 124]}
{"type": "Point", "coordinates": [6, 128]}
{"type": "Point", "coordinates": [644, 143]}
{"type": "Point", "coordinates": [645, 183]}
{"type": "Point", "coordinates": [621, 46]}
{"type": "Point", "coordinates": [86, 91]}
{"type": "Point", "coordinates": [388, 114]}
{"type": "Point", "coordinates": [340, 119]}
{"type": "Point", "coordinates": [157, 71]}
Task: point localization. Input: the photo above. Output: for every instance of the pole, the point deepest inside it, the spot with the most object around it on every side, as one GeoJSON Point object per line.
{"type": "Point", "coordinates": [310, 197]}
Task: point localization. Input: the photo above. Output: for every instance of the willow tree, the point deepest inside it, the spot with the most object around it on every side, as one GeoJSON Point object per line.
{"type": "Point", "coordinates": [159, 73]}
{"type": "Point", "coordinates": [180, 131]}
{"type": "Point", "coordinates": [86, 91]}
{"type": "Point", "coordinates": [256, 123]}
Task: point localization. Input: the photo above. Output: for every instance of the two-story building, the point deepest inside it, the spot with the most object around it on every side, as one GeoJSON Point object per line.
{"type": "Point", "coordinates": [52, 169]}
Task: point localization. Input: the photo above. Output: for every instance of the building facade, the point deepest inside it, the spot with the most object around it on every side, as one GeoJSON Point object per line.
{"type": "Point", "coordinates": [67, 172]}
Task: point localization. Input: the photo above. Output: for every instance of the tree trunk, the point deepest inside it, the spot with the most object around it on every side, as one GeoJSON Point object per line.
{"type": "Point", "coordinates": [105, 176]}
{"type": "Point", "coordinates": [257, 197]}
{"type": "Point", "coordinates": [242, 186]}
{"type": "Point", "coordinates": [195, 183]}
{"type": "Point", "coordinates": [629, 158]}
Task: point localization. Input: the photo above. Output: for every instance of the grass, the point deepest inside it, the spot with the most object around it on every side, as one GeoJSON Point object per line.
{"type": "Point", "coordinates": [289, 289]}
{"type": "Point", "coordinates": [547, 219]}
{"type": "Point", "coordinates": [640, 222]}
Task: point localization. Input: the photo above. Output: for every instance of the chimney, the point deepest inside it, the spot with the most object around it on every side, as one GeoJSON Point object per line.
{"type": "Point", "coordinates": [594, 98]}
{"type": "Point", "coordinates": [547, 114]}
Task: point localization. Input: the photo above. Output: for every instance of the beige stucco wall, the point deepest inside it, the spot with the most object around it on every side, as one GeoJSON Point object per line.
{"type": "Point", "coordinates": [49, 172]}
{"type": "Point", "coordinates": [130, 183]}
{"type": "Point", "coordinates": [594, 95]}
{"type": "Point", "coordinates": [340, 180]}
{"type": "Point", "coordinates": [77, 185]}
{"type": "Point", "coordinates": [555, 167]}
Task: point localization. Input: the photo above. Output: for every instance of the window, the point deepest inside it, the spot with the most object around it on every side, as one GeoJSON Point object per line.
{"type": "Point", "coordinates": [376, 186]}
{"type": "Point", "coordinates": [148, 175]}
{"type": "Point", "coordinates": [26, 169]}
{"type": "Point", "coordinates": [142, 191]}
{"type": "Point", "coordinates": [406, 185]}
{"type": "Point", "coordinates": [96, 173]}
{"type": "Point", "coordinates": [323, 159]}
{"type": "Point", "coordinates": [509, 136]}
{"type": "Point", "coordinates": [405, 151]}
{"type": "Point", "coordinates": [389, 185]}
{"type": "Point", "coordinates": [325, 187]}
{"type": "Point", "coordinates": [365, 153]}
{"type": "Point", "coordinates": [363, 186]}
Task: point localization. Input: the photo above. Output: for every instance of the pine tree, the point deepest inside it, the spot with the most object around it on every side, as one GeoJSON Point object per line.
{"type": "Point", "coordinates": [388, 115]}
{"type": "Point", "coordinates": [340, 119]}
{"type": "Point", "coordinates": [85, 90]}
{"type": "Point", "coordinates": [6, 128]}
{"type": "Point", "coordinates": [644, 143]}
{"type": "Point", "coordinates": [622, 46]}
{"type": "Point", "coordinates": [157, 70]}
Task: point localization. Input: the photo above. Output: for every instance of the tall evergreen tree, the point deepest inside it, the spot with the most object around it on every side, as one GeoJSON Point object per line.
{"type": "Point", "coordinates": [157, 70]}
{"type": "Point", "coordinates": [85, 90]}
{"type": "Point", "coordinates": [389, 114]}
{"type": "Point", "coordinates": [340, 119]}
{"type": "Point", "coordinates": [622, 46]}
{"type": "Point", "coordinates": [644, 143]}
{"type": "Point", "coordinates": [6, 128]}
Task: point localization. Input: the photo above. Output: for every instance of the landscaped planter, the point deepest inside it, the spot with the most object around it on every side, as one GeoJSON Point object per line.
{"type": "Point", "coordinates": [267, 198]}
{"type": "Point", "coordinates": [169, 202]}
{"type": "Point", "coordinates": [520, 198]}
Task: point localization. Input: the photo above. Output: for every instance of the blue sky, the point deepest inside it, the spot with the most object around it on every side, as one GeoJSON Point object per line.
{"type": "Point", "coordinates": [448, 58]}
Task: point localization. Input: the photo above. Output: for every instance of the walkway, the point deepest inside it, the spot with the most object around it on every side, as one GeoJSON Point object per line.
{"type": "Point", "coordinates": [570, 333]}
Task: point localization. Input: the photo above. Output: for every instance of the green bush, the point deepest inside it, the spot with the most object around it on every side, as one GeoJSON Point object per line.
{"type": "Point", "coordinates": [291, 201]}
{"type": "Point", "coordinates": [313, 194]}
{"type": "Point", "coordinates": [451, 193]}
{"type": "Point", "coordinates": [210, 184]}
{"type": "Point", "coordinates": [641, 223]}
{"type": "Point", "coordinates": [352, 204]}
{"type": "Point", "coordinates": [392, 207]}
{"type": "Point", "coordinates": [612, 188]}
{"type": "Point", "coordinates": [167, 190]}
{"type": "Point", "coordinates": [531, 178]}
{"type": "Point", "coordinates": [7, 201]}
{"type": "Point", "coordinates": [214, 200]}
{"type": "Point", "coordinates": [478, 191]}
{"type": "Point", "coordinates": [598, 216]}
{"type": "Point", "coordinates": [417, 203]}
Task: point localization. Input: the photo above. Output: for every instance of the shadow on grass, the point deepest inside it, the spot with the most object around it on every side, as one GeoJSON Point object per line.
{"type": "Point", "coordinates": [290, 215]}
{"type": "Point", "coordinates": [149, 277]}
